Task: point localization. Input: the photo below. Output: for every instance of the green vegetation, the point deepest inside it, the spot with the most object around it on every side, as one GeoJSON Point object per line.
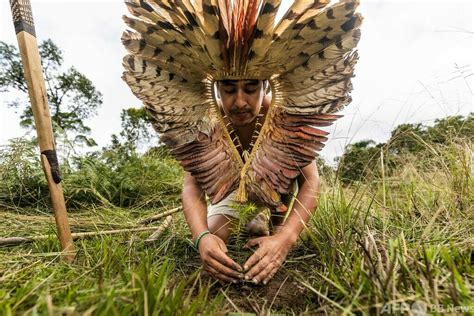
{"type": "Point", "coordinates": [412, 142]}
{"type": "Point", "coordinates": [72, 97]}
{"type": "Point", "coordinates": [394, 231]}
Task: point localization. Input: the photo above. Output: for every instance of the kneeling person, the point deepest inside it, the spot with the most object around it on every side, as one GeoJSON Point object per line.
{"type": "Point", "coordinates": [245, 103]}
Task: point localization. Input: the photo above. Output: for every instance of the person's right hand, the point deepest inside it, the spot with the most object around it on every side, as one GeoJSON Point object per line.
{"type": "Point", "coordinates": [215, 261]}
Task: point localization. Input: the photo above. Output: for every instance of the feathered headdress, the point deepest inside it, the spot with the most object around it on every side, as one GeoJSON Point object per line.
{"type": "Point", "coordinates": [181, 47]}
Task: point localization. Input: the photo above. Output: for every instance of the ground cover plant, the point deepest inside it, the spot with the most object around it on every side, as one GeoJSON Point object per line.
{"type": "Point", "coordinates": [395, 238]}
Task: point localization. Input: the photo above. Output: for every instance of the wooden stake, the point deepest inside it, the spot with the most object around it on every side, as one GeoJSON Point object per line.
{"type": "Point", "coordinates": [25, 32]}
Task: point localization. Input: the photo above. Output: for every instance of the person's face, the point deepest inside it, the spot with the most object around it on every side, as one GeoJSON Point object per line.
{"type": "Point", "coordinates": [241, 100]}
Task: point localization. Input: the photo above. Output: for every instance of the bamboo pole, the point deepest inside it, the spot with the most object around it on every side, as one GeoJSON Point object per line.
{"type": "Point", "coordinates": [25, 32]}
{"type": "Point", "coordinates": [13, 241]}
{"type": "Point", "coordinates": [157, 234]}
{"type": "Point", "coordinates": [159, 216]}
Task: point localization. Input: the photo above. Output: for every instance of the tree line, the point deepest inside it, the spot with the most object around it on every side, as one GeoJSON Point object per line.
{"type": "Point", "coordinates": [362, 160]}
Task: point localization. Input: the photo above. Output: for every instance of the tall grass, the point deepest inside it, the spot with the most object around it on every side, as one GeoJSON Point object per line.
{"type": "Point", "coordinates": [415, 245]}
{"type": "Point", "coordinates": [113, 178]}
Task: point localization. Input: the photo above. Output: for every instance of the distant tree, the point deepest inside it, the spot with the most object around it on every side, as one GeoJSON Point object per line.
{"type": "Point", "coordinates": [405, 138]}
{"type": "Point", "coordinates": [72, 97]}
{"type": "Point", "coordinates": [136, 126]}
{"type": "Point", "coordinates": [359, 161]}
{"type": "Point", "coordinates": [136, 132]}
{"type": "Point", "coordinates": [411, 138]}
{"type": "Point", "coordinates": [450, 128]}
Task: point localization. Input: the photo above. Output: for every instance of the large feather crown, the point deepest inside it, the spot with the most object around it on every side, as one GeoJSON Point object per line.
{"type": "Point", "coordinates": [179, 48]}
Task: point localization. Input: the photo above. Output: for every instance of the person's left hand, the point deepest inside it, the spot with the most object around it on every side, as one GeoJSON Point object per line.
{"type": "Point", "coordinates": [268, 258]}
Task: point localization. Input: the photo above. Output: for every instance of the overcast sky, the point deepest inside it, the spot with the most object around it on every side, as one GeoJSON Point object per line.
{"type": "Point", "coordinates": [416, 64]}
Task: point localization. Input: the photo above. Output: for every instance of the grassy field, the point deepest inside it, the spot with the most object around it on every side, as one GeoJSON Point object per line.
{"type": "Point", "coordinates": [399, 244]}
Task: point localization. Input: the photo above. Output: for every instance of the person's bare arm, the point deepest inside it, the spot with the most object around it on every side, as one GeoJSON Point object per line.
{"type": "Point", "coordinates": [305, 202]}
{"type": "Point", "coordinates": [194, 205]}
{"type": "Point", "coordinates": [272, 250]}
{"type": "Point", "coordinates": [212, 249]}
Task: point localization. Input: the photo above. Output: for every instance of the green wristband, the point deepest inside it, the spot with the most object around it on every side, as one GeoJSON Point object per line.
{"type": "Point", "coordinates": [198, 239]}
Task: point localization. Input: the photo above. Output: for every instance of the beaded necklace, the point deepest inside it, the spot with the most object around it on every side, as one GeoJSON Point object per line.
{"type": "Point", "coordinates": [245, 152]}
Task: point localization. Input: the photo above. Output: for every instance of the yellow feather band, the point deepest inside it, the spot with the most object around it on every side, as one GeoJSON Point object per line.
{"type": "Point", "coordinates": [241, 195]}
{"type": "Point", "coordinates": [224, 75]}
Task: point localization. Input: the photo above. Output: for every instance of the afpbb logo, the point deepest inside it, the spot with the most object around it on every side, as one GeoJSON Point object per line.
{"type": "Point", "coordinates": [420, 308]}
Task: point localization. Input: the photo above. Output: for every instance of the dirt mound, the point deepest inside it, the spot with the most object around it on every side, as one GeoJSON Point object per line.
{"type": "Point", "coordinates": [283, 293]}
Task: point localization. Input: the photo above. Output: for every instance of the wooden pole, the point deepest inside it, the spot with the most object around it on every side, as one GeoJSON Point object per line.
{"type": "Point", "coordinates": [25, 33]}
